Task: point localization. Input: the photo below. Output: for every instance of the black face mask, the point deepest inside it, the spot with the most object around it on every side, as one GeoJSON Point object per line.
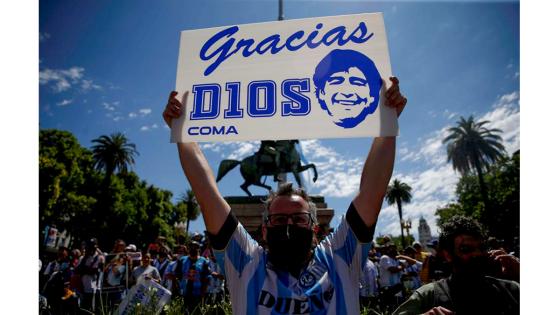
{"type": "Point", "coordinates": [472, 270]}
{"type": "Point", "coordinates": [289, 246]}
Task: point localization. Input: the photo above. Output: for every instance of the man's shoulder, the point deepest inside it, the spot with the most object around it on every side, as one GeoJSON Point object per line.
{"type": "Point", "coordinates": [503, 283]}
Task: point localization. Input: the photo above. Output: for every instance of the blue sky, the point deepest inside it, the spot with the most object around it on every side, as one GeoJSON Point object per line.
{"type": "Point", "coordinates": [108, 66]}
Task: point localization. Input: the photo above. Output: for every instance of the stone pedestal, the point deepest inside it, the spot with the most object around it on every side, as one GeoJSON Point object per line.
{"type": "Point", "coordinates": [249, 211]}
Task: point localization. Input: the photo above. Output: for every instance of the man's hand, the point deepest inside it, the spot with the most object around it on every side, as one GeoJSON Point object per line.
{"type": "Point", "coordinates": [509, 263]}
{"type": "Point", "coordinates": [394, 98]}
{"type": "Point", "coordinates": [439, 310]}
{"type": "Point", "coordinates": [173, 109]}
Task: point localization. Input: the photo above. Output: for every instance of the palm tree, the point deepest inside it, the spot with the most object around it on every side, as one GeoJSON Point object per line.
{"type": "Point", "coordinates": [472, 146]}
{"type": "Point", "coordinates": [193, 209]}
{"type": "Point", "coordinates": [399, 192]}
{"type": "Point", "coordinates": [112, 153]}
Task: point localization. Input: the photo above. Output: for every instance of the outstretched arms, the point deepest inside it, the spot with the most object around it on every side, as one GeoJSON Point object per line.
{"type": "Point", "coordinates": [378, 167]}
{"type": "Point", "coordinates": [199, 174]}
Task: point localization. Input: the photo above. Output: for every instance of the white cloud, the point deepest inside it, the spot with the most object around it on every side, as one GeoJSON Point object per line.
{"type": "Point", "coordinates": [132, 115]}
{"type": "Point", "coordinates": [149, 127]}
{"type": "Point", "coordinates": [89, 85]}
{"type": "Point", "coordinates": [64, 102]}
{"type": "Point", "coordinates": [145, 111]}
{"type": "Point", "coordinates": [108, 106]}
{"type": "Point", "coordinates": [434, 186]}
{"type": "Point", "coordinates": [339, 175]}
{"type": "Point", "coordinates": [61, 80]}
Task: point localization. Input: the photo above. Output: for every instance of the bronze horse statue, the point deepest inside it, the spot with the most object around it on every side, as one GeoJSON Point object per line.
{"type": "Point", "coordinates": [273, 158]}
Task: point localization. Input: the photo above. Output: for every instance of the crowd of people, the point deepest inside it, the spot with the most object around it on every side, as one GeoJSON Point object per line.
{"type": "Point", "coordinates": [397, 283]}
{"type": "Point", "coordinates": [87, 278]}
{"type": "Point", "coordinates": [391, 280]}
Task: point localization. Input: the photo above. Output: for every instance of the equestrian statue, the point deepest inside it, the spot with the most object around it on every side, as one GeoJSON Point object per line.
{"type": "Point", "coordinates": [272, 159]}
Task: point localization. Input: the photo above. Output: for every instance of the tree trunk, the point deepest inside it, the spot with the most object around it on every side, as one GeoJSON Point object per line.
{"type": "Point", "coordinates": [188, 223]}
{"type": "Point", "coordinates": [483, 189]}
{"type": "Point", "coordinates": [399, 206]}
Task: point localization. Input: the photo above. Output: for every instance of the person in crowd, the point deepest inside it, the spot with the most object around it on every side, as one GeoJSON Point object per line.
{"type": "Point", "coordinates": [161, 262]}
{"type": "Point", "coordinates": [88, 269]}
{"type": "Point", "coordinates": [259, 279]}
{"type": "Point", "coordinates": [390, 271]}
{"type": "Point", "coordinates": [215, 292]}
{"type": "Point", "coordinates": [174, 272]}
{"type": "Point", "coordinates": [369, 286]}
{"type": "Point", "coordinates": [55, 289]}
{"type": "Point", "coordinates": [195, 275]}
{"type": "Point", "coordinates": [119, 246]}
{"type": "Point", "coordinates": [54, 266]}
{"type": "Point", "coordinates": [419, 253]}
{"type": "Point", "coordinates": [115, 272]}
{"type": "Point", "coordinates": [435, 266]}
{"type": "Point", "coordinates": [145, 270]}
{"type": "Point", "coordinates": [411, 273]}
{"type": "Point", "coordinates": [468, 290]}
{"type": "Point", "coordinates": [154, 247]}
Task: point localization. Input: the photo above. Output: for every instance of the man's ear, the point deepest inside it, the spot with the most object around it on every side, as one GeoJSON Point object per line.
{"type": "Point", "coordinates": [447, 255]}
{"type": "Point", "coordinates": [315, 229]}
{"type": "Point", "coordinates": [263, 230]}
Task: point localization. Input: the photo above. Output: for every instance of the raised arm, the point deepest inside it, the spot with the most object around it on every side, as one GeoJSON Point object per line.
{"type": "Point", "coordinates": [199, 174]}
{"type": "Point", "coordinates": [378, 167]}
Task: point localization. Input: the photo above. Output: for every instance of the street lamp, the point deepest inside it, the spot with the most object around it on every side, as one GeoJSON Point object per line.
{"type": "Point", "coordinates": [407, 225]}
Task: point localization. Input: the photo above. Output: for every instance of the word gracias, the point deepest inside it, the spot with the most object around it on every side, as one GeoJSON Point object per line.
{"type": "Point", "coordinates": [275, 44]}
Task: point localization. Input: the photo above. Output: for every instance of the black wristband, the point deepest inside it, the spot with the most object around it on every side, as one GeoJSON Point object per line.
{"type": "Point", "coordinates": [362, 231]}
{"type": "Point", "coordinates": [220, 240]}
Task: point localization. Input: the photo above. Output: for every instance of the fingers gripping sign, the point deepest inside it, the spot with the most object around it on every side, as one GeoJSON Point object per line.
{"type": "Point", "coordinates": [174, 108]}
{"type": "Point", "coordinates": [394, 98]}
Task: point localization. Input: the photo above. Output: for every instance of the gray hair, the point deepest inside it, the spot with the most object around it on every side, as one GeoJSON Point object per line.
{"type": "Point", "coordinates": [287, 189]}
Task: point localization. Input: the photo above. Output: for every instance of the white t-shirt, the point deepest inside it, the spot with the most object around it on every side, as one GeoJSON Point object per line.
{"type": "Point", "coordinates": [89, 282]}
{"type": "Point", "coordinates": [368, 279]}
{"type": "Point", "coordinates": [328, 285]}
{"type": "Point", "coordinates": [417, 267]}
{"type": "Point", "coordinates": [387, 278]}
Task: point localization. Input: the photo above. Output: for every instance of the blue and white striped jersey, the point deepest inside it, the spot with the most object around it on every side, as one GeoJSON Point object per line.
{"type": "Point", "coordinates": [328, 285]}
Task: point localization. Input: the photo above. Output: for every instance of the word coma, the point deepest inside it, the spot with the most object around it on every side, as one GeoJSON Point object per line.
{"type": "Point", "coordinates": [225, 44]}
{"type": "Point", "coordinates": [261, 102]}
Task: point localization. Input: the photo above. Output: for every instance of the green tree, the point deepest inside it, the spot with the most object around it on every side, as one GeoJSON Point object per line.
{"type": "Point", "coordinates": [503, 179]}
{"type": "Point", "coordinates": [192, 208]}
{"type": "Point", "coordinates": [65, 171]}
{"type": "Point", "coordinates": [112, 153]}
{"type": "Point", "coordinates": [399, 192]}
{"type": "Point", "coordinates": [472, 146]}
{"type": "Point", "coordinates": [72, 194]}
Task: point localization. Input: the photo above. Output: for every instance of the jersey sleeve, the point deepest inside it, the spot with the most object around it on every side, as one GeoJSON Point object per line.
{"type": "Point", "coordinates": [236, 252]}
{"type": "Point", "coordinates": [348, 245]}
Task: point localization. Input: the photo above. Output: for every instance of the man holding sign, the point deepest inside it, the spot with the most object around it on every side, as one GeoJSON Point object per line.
{"type": "Point", "coordinates": [295, 275]}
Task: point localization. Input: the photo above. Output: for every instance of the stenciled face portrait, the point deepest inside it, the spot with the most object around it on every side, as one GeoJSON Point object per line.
{"type": "Point", "coordinates": [347, 85]}
{"type": "Point", "coordinates": [346, 95]}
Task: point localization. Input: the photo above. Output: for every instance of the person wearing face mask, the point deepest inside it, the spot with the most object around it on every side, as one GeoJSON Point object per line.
{"type": "Point", "coordinates": [469, 289]}
{"type": "Point", "coordinates": [294, 274]}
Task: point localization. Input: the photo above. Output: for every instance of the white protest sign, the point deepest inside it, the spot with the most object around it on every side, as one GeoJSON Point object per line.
{"type": "Point", "coordinates": [296, 79]}
{"type": "Point", "coordinates": [146, 293]}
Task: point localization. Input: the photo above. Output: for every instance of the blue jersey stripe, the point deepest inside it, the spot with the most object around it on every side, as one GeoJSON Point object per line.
{"type": "Point", "coordinates": [239, 259]}
{"type": "Point", "coordinates": [254, 288]}
{"type": "Point", "coordinates": [346, 251]}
